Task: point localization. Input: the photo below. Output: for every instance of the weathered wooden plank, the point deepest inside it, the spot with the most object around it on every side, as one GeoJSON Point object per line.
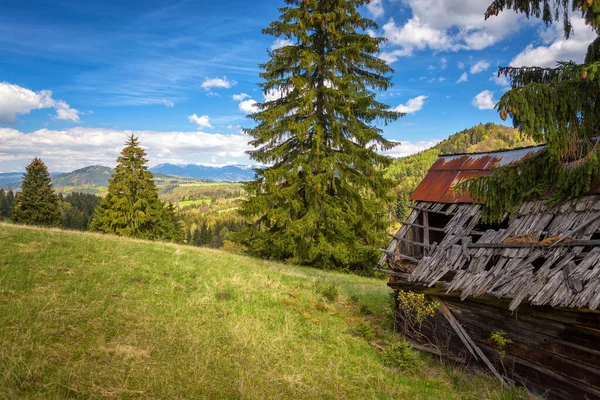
{"type": "Point", "coordinates": [469, 343]}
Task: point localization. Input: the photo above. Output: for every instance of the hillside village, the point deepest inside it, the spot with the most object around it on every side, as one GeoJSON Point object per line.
{"type": "Point", "coordinates": [315, 245]}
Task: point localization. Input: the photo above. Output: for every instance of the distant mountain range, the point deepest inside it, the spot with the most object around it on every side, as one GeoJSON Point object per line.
{"type": "Point", "coordinates": [230, 173]}
{"type": "Point", "coordinates": [98, 175]}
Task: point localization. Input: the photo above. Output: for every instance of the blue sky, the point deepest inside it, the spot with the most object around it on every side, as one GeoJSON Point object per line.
{"type": "Point", "coordinates": [77, 76]}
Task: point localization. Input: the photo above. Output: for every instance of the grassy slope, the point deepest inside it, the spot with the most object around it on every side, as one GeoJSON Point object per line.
{"type": "Point", "coordinates": [85, 315]}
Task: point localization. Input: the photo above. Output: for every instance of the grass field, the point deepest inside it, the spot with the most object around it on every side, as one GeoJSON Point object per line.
{"type": "Point", "coordinates": [91, 316]}
{"type": "Point", "coordinates": [200, 202]}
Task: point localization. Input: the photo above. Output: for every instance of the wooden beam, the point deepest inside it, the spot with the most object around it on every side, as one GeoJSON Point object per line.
{"type": "Point", "coordinates": [407, 258]}
{"type": "Point", "coordinates": [571, 232]}
{"type": "Point", "coordinates": [431, 228]}
{"type": "Point", "coordinates": [572, 243]}
{"type": "Point", "coordinates": [393, 273]}
{"type": "Point", "coordinates": [428, 210]}
{"type": "Point", "coordinates": [426, 229]}
{"type": "Point", "coordinates": [466, 339]}
{"type": "Point", "coordinates": [410, 241]}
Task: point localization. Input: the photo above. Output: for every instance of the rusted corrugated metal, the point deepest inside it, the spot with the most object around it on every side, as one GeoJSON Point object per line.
{"type": "Point", "coordinates": [450, 170]}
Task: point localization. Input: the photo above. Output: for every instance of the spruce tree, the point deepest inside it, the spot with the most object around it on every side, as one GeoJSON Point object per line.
{"type": "Point", "coordinates": [559, 106]}
{"type": "Point", "coordinates": [3, 204]}
{"type": "Point", "coordinates": [132, 207]}
{"type": "Point", "coordinates": [10, 203]}
{"type": "Point", "coordinates": [37, 203]}
{"type": "Point", "coordinates": [322, 198]}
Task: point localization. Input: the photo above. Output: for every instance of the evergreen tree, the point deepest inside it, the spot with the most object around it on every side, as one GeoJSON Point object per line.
{"type": "Point", "coordinates": [37, 204]}
{"type": "Point", "coordinates": [559, 106]}
{"type": "Point", "coordinates": [3, 204]}
{"type": "Point", "coordinates": [132, 207]}
{"type": "Point", "coordinates": [322, 200]}
{"type": "Point", "coordinates": [10, 203]}
{"type": "Point", "coordinates": [172, 225]}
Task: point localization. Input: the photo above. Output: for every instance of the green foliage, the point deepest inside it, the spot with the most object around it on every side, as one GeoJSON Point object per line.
{"type": "Point", "coordinates": [409, 171]}
{"type": "Point", "coordinates": [78, 209]}
{"type": "Point", "coordinates": [132, 207]}
{"type": "Point", "coordinates": [322, 200]}
{"type": "Point", "coordinates": [558, 106]}
{"type": "Point", "coordinates": [328, 290]}
{"type": "Point", "coordinates": [499, 337]}
{"type": "Point", "coordinates": [415, 306]}
{"type": "Point", "coordinates": [364, 330]}
{"type": "Point", "coordinates": [549, 12]}
{"type": "Point", "coordinates": [37, 204]}
{"type": "Point", "coordinates": [7, 203]}
{"type": "Point", "coordinates": [400, 355]}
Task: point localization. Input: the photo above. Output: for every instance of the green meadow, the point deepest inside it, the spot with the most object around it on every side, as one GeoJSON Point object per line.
{"type": "Point", "coordinates": [95, 316]}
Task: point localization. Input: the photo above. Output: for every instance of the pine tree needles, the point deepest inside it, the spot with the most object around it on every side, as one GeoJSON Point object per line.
{"type": "Point", "coordinates": [558, 106]}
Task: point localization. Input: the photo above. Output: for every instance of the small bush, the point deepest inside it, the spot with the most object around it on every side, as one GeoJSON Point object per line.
{"type": "Point", "coordinates": [363, 329]}
{"type": "Point", "coordinates": [328, 290]}
{"type": "Point", "coordinates": [366, 309]}
{"type": "Point", "coordinates": [401, 355]}
{"type": "Point", "coordinates": [499, 337]}
{"type": "Point", "coordinates": [416, 306]}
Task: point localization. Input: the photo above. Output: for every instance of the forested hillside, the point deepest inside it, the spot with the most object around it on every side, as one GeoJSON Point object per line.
{"type": "Point", "coordinates": [409, 171]}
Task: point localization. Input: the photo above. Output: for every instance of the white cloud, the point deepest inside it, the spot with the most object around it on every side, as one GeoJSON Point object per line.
{"type": "Point", "coordinates": [248, 106]}
{"type": "Point", "coordinates": [484, 100]}
{"type": "Point", "coordinates": [217, 82]}
{"type": "Point", "coordinates": [460, 65]}
{"type": "Point", "coordinates": [393, 56]}
{"type": "Point", "coordinates": [463, 78]}
{"type": "Point", "coordinates": [64, 112]}
{"type": "Point", "coordinates": [66, 150]}
{"type": "Point", "coordinates": [168, 103]}
{"type": "Point", "coordinates": [448, 25]}
{"type": "Point", "coordinates": [480, 66]}
{"type": "Point", "coordinates": [15, 99]}
{"type": "Point", "coordinates": [412, 106]}
{"type": "Point", "coordinates": [415, 35]}
{"type": "Point", "coordinates": [407, 148]}
{"type": "Point", "coordinates": [202, 122]}
{"type": "Point", "coordinates": [375, 8]}
{"type": "Point", "coordinates": [560, 49]}
{"type": "Point", "coordinates": [501, 80]}
{"type": "Point", "coordinates": [240, 97]}
{"type": "Point", "coordinates": [281, 42]}
{"type": "Point", "coordinates": [443, 63]}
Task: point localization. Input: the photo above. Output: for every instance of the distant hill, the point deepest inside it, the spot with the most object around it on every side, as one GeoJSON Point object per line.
{"type": "Point", "coordinates": [231, 173]}
{"type": "Point", "coordinates": [409, 171]}
{"type": "Point", "coordinates": [9, 179]}
{"type": "Point", "coordinates": [94, 175]}
{"type": "Point", "coordinates": [94, 178]}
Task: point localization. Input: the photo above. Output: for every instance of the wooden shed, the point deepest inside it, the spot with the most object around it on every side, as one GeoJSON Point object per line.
{"type": "Point", "coordinates": [533, 279]}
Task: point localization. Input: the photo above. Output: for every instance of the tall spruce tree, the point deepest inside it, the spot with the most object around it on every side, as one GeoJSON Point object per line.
{"type": "Point", "coordinates": [37, 204]}
{"type": "Point", "coordinates": [132, 207]}
{"type": "Point", "coordinates": [559, 106]}
{"type": "Point", "coordinates": [322, 199]}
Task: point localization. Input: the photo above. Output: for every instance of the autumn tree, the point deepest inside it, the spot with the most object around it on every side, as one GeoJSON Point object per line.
{"type": "Point", "coordinates": [37, 203]}
{"type": "Point", "coordinates": [559, 106]}
{"type": "Point", "coordinates": [132, 207]}
{"type": "Point", "coordinates": [321, 199]}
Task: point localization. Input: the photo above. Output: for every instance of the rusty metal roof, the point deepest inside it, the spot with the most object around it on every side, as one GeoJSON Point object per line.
{"type": "Point", "coordinates": [449, 170]}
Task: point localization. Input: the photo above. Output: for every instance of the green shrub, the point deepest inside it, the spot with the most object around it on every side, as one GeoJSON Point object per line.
{"type": "Point", "coordinates": [364, 330]}
{"type": "Point", "coordinates": [401, 355]}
